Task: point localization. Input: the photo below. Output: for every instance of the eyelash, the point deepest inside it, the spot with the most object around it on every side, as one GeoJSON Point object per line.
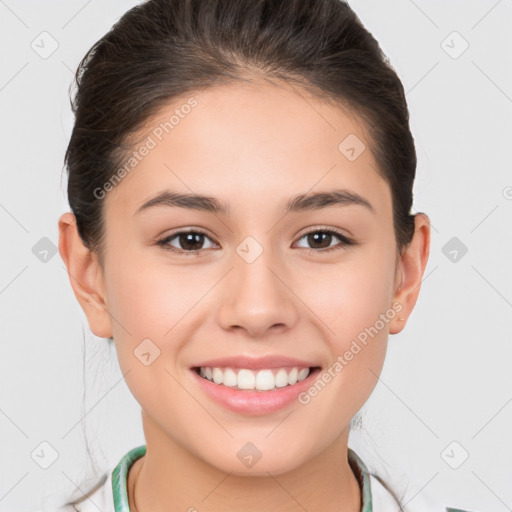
{"type": "Point", "coordinates": [164, 242]}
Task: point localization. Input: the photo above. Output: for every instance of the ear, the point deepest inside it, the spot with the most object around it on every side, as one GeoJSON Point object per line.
{"type": "Point", "coordinates": [411, 266]}
{"type": "Point", "coordinates": [86, 276]}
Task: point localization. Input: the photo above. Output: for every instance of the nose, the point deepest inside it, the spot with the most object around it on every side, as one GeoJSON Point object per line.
{"type": "Point", "coordinates": [257, 297]}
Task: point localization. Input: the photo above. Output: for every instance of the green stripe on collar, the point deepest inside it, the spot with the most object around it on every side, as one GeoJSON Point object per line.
{"type": "Point", "coordinates": [119, 477]}
{"type": "Point", "coordinates": [363, 477]}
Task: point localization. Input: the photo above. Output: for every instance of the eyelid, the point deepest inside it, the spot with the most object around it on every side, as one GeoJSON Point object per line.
{"type": "Point", "coordinates": [315, 228]}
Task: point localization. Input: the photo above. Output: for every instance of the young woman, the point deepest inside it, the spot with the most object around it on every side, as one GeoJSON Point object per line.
{"type": "Point", "coordinates": [240, 179]}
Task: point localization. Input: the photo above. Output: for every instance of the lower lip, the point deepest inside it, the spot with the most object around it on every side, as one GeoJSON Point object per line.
{"type": "Point", "coordinates": [255, 402]}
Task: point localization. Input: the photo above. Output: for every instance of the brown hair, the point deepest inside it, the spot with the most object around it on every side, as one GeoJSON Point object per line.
{"type": "Point", "coordinates": [164, 49]}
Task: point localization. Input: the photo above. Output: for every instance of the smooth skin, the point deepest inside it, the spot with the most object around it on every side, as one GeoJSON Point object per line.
{"type": "Point", "coordinates": [253, 147]}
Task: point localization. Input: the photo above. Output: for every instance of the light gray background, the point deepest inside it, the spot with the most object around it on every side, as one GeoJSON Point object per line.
{"type": "Point", "coordinates": [447, 376]}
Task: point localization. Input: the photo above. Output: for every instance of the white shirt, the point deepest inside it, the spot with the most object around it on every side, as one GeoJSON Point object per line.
{"type": "Point", "coordinates": [381, 499]}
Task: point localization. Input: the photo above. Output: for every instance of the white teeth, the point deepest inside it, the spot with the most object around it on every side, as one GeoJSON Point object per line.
{"type": "Point", "coordinates": [265, 380]}
{"type": "Point", "coordinates": [261, 380]}
{"type": "Point", "coordinates": [281, 378]}
{"type": "Point", "coordinates": [246, 379]}
{"type": "Point", "coordinates": [230, 378]}
{"type": "Point", "coordinates": [292, 377]}
{"type": "Point", "coordinates": [218, 376]}
{"type": "Point", "coordinates": [303, 374]}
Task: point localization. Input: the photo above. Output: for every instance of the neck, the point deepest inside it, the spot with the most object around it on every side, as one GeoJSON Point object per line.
{"type": "Point", "coordinates": [169, 478]}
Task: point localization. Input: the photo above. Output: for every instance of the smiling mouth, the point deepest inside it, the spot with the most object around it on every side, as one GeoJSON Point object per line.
{"type": "Point", "coordinates": [264, 379]}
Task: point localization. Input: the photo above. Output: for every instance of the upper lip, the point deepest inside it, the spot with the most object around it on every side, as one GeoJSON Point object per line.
{"type": "Point", "coordinates": [249, 362]}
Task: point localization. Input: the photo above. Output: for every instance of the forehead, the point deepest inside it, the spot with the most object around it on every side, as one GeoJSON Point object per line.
{"type": "Point", "coordinates": [247, 140]}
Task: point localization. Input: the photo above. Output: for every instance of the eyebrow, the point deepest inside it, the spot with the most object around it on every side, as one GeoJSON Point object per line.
{"type": "Point", "coordinates": [302, 202]}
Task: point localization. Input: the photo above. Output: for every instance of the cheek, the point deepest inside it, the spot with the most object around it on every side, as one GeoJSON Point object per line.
{"type": "Point", "coordinates": [352, 295]}
{"type": "Point", "coordinates": [353, 302]}
{"type": "Point", "coordinates": [153, 301]}
{"type": "Point", "coordinates": [149, 298]}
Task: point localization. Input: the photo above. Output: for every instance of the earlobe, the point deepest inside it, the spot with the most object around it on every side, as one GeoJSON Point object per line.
{"type": "Point", "coordinates": [411, 267]}
{"type": "Point", "coordinates": [85, 275]}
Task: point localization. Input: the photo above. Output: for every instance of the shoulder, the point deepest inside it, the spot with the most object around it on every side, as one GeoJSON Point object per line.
{"type": "Point", "coordinates": [100, 497]}
{"type": "Point", "coordinates": [63, 508]}
{"type": "Point", "coordinates": [383, 500]}
{"type": "Point", "coordinates": [109, 490]}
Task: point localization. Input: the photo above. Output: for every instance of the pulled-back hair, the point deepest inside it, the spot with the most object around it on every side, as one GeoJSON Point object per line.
{"type": "Point", "coordinates": [164, 49]}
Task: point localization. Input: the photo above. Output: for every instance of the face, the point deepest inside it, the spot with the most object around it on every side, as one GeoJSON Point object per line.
{"type": "Point", "coordinates": [254, 280]}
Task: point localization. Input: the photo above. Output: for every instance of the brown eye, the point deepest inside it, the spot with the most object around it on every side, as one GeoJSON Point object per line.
{"type": "Point", "coordinates": [188, 242]}
{"type": "Point", "coordinates": [320, 240]}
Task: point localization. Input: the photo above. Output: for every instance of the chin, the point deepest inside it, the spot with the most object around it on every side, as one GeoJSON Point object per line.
{"type": "Point", "coordinates": [274, 464]}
